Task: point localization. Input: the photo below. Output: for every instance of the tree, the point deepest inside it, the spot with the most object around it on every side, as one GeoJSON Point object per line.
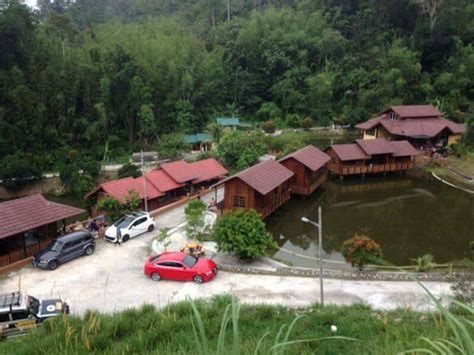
{"type": "Point", "coordinates": [239, 149]}
{"type": "Point", "coordinates": [17, 170]}
{"type": "Point", "coordinates": [361, 250]}
{"type": "Point", "coordinates": [194, 212]}
{"type": "Point", "coordinates": [127, 170]}
{"type": "Point", "coordinates": [114, 209]}
{"type": "Point", "coordinates": [171, 146]}
{"type": "Point", "coordinates": [307, 123]}
{"type": "Point", "coordinates": [243, 233]}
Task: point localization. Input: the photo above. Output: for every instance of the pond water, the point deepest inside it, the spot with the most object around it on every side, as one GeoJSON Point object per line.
{"type": "Point", "coordinates": [407, 216]}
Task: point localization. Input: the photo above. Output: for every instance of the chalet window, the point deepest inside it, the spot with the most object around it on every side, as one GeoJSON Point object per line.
{"type": "Point", "coordinates": [393, 116]}
{"type": "Point", "coordinates": [370, 132]}
{"type": "Point", "coordinates": [238, 201]}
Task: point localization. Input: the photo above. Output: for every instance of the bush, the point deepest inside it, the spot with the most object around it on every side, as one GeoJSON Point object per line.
{"type": "Point", "coordinates": [129, 170]}
{"type": "Point", "coordinates": [269, 126]}
{"type": "Point", "coordinates": [361, 250]}
{"type": "Point", "coordinates": [424, 263]}
{"type": "Point", "coordinates": [269, 111]}
{"type": "Point", "coordinates": [243, 233]}
{"type": "Point", "coordinates": [17, 170]}
{"type": "Point", "coordinates": [194, 212]}
{"type": "Point", "coordinates": [307, 123]}
{"type": "Point", "coordinates": [459, 149]}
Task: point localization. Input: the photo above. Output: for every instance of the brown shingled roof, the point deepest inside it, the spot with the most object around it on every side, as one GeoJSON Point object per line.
{"type": "Point", "coordinates": [414, 111]}
{"type": "Point", "coordinates": [403, 149]}
{"type": "Point", "coordinates": [31, 212]}
{"type": "Point", "coordinates": [309, 156]}
{"type": "Point", "coordinates": [349, 152]}
{"type": "Point", "coordinates": [263, 177]}
{"type": "Point", "coordinates": [375, 146]}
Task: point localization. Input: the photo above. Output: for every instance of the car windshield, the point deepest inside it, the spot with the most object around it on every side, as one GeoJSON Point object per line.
{"type": "Point", "coordinates": [56, 246]}
{"type": "Point", "coordinates": [123, 222]}
{"type": "Point", "coordinates": [33, 305]}
{"type": "Point", "coordinates": [190, 260]}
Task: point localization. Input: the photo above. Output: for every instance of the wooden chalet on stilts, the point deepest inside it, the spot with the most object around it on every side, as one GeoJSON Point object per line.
{"type": "Point", "coordinates": [309, 166]}
{"type": "Point", "coordinates": [263, 187]}
{"type": "Point", "coordinates": [371, 157]}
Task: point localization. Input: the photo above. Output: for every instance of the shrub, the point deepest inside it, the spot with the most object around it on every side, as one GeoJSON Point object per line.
{"type": "Point", "coordinates": [269, 126]}
{"type": "Point", "coordinates": [243, 233]}
{"type": "Point", "coordinates": [459, 149]}
{"type": "Point", "coordinates": [163, 238]}
{"type": "Point", "coordinates": [194, 212]}
{"type": "Point", "coordinates": [307, 123]}
{"type": "Point", "coordinates": [361, 250]}
{"type": "Point", "coordinates": [268, 111]}
{"type": "Point", "coordinates": [129, 170]}
{"type": "Point", "coordinates": [424, 263]}
{"type": "Point", "coordinates": [293, 120]}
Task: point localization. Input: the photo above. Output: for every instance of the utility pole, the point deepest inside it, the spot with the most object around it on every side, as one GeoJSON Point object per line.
{"type": "Point", "coordinates": [319, 226]}
{"type": "Point", "coordinates": [145, 197]}
{"type": "Point", "coordinates": [228, 10]}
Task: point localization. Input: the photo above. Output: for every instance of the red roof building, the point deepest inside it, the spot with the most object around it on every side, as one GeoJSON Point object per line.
{"type": "Point", "coordinates": [371, 156]}
{"type": "Point", "coordinates": [28, 225]}
{"type": "Point", "coordinates": [165, 185]}
{"type": "Point", "coordinates": [263, 187]}
{"type": "Point", "coordinates": [309, 166]}
{"type": "Point", "coordinates": [422, 125]}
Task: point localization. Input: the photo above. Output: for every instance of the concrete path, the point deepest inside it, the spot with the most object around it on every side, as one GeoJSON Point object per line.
{"type": "Point", "coordinates": [112, 279]}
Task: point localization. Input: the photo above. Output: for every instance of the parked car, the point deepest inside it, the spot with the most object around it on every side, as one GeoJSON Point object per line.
{"type": "Point", "coordinates": [65, 248]}
{"type": "Point", "coordinates": [180, 266]}
{"type": "Point", "coordinates": [20, 313]}
{"type": "Point", "coordinates": [130, 226]}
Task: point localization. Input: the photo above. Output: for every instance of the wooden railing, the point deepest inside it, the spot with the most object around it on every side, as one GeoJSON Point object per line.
{"type": "Point", "coordinates": [16, 255]}
{"type": "Point", "coordinates": [375, 168]}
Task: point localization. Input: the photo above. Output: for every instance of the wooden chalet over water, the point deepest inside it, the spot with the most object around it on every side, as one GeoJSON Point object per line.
{"type": "Point", "coordinates": [263, 187]}
{"type": "Point", "coordinates": [371, 156]}
{"type": "Point", "coordinates": [309, 166]}
{"type": "Point", "coordinates": [422, 125]}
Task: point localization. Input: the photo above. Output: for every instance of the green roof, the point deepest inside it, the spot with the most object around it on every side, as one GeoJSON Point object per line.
{"type": "Point", "coordinates": [197, 138]}
{"type": "Point", "coordinates": [228, 121]}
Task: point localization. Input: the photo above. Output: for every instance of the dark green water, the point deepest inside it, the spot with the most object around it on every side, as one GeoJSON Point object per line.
{"type": "Point", "coordinates": [407, 216]}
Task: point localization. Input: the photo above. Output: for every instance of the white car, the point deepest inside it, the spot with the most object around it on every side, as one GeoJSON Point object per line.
{"type": "Point", "coordinates": [130, 226]}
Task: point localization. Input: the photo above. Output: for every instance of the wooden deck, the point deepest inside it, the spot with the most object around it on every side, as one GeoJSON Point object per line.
{"type": "Point", "coordinates": [279, 200]}
{"type": "Point", "coordinates": [305, 190]}
{"type": "Point", "coordinates": [370, 169]}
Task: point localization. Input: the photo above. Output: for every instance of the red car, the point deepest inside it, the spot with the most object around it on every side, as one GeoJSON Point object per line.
{"type": "Point", "coordinates": [180, 266]}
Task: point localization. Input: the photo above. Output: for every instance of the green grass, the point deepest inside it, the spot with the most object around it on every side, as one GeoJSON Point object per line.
{"type": "Point", "coordinates": [221, 326]}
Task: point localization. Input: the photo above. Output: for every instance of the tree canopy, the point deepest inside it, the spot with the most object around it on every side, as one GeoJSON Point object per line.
{"type": "Point", "coordinates": [92, 74]}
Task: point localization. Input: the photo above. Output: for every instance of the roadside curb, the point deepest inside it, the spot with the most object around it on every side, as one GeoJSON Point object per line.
{"type": "Point", "coordinates": [346, 275]}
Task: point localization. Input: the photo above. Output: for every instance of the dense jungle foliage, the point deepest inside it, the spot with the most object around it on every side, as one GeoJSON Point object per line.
{"type": "Point", "coordinates": [104, 77]}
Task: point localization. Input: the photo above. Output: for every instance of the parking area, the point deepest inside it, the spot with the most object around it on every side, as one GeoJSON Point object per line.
{"type": "Point", "coordinates": [112, 279]}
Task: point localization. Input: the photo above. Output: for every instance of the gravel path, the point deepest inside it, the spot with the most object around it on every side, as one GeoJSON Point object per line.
{"type": "Point", "coordinates": [112, 279]}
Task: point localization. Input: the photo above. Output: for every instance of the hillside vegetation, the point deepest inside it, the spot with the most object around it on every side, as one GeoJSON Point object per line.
{"type": "Point", "coordinates": [99, 78]}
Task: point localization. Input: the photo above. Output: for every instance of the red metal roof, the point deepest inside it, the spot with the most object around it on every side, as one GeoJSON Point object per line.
{"type": "Point", "coordinates": [349, 152]}
{"type": "Point", "coordinates": [179, 171]}
{"type": "Point", "coordinates": [375, 146]}
{"type": "Point", "coordinates": [264, 177]}
{"type": "Point", "coordinates": [162, 181]}
{"type": "Point", "coordinates": [309, 156]}
{"type": "Point", "coordinates": [414, 111]}
{"type": "Point", "coordinates": [207, 169]}
{"type": "Point", "coordinates": [31, 212]}
{"type": "Point", "coordinates": [120, 188]}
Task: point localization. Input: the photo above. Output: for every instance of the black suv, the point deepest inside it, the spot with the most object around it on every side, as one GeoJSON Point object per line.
{"type": "Point", "coordinates": [65, 248]}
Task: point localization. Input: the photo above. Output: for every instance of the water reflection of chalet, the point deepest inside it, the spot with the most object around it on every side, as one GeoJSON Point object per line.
{"type": "Point", "coordinates": [263, 187]}
{"type": "Point", "coordinates": [371, 157]}
{"type": "Point", "coordinates": [309, 166]}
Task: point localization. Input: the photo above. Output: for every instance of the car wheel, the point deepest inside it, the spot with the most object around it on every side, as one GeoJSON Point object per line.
{"type": "Point", "coordinates": [155, 276]}
{"type": "Point", "coordinates": [125, 238]}
{"type": "Point", "coordinates": [53, 265]}
{"type": "Point", "coordinates": [198, 279]}
{"type": "Point", "coordinates": [89, 250]}
{"type": "Point", "coordinates": [151, 227]}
